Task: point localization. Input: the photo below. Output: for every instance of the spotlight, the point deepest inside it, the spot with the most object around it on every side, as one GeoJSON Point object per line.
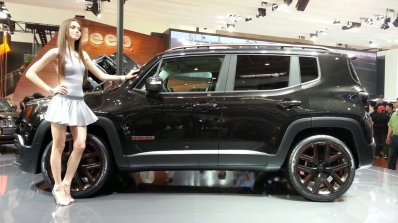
{"type": "Point", "coordinates": [314, 37]}
{"type": "Point", "coordinates": [287, 2]}
{"type": "Point", "coordinates": [301, 5]}
{"type": "Point", "coordinates": [4, 13]}
{"type": "Point", "coordinates": [248, 19]}
{"type": "Point", "coordinates": [379, 17]}
{"type": "Point", "coordinates": [5, 19]}
{"type": "Point", "coordinates": [261, 12]}
{"type": "Point", "coordinates": [336, 22]}
{"type": "Point", "coordinates": [96, 7]}
{"type": "Point", "coordinates": [369, 21]}
{"type": "Point", "coordinates": [351, 25]}
{"type": "Point", "coordinates": [230, 27]}
{"type": "Point", "coordinates": [385, 25]}
{"type": "Point", "coordinates": [373, 44]}
{"type": "Point", "coordinates": [395, 23]}
{"type": "Point", "coordinates": [274, 6]}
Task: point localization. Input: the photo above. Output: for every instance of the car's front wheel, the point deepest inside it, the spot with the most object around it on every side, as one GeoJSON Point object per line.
{"type": "Point", "coordinates": [94, 169]}
{"type": "Point", "coordinates": [321, 168]}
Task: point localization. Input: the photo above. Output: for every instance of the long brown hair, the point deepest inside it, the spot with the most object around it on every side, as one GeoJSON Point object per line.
{"type": "Point", "coordinates": [63, 34]}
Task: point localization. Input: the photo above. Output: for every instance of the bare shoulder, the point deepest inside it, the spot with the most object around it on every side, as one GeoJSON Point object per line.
{"type": "Point", "coordinates": [53, 52]}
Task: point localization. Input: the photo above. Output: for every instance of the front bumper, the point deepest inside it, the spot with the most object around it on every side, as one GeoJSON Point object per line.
{"type": "Point", "coordinates": [7, 135]}
{"type": "Point", "coordinates": [27, 155]}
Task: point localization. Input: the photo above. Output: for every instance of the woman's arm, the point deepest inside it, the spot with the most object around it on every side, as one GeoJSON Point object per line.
{"type": "Point", "coordinates": [32, 72]}
{"type": "Point", "coordinates": [103, 76]}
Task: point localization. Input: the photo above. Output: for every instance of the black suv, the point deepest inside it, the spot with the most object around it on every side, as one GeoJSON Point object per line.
{"type": "Point", "coordinates": [8, 116]}
{"type": "Point", "coordinates": [298, 110]}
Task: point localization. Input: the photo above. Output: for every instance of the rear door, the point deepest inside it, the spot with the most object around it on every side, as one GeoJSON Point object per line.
{"type": "Point", "coordinates": [264, 96]}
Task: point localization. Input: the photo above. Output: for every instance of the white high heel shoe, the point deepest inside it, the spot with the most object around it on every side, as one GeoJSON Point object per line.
{"type": "Point", "coordinates": [57, 200]}
{"type": "Point", "coordinates": [67, 193]}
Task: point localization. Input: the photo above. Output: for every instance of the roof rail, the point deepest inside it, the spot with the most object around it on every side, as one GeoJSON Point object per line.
{"type": "Point", "coordinates": [248, 46]}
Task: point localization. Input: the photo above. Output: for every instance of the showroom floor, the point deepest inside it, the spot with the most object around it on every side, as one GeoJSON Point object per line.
{"type": "Point", "coordinates": [372, 198]}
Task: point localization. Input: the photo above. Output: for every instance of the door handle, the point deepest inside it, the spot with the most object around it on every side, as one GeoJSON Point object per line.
{"type": "Point", "coordinates": [288, 104]}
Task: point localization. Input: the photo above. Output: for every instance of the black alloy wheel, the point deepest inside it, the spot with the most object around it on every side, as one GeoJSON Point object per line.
{"type": "Point", "coordinates": [94, 169]}
{"type": "Point", "coordinates": [321, 168]}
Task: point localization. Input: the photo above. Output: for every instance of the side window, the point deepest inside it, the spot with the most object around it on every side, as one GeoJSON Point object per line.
{"type": "Point", "coordinates": [190, 74]}
{"type": "Point", "coordinates": [193, 74]}
{"type": "Point", "coordinates": [308, 69]}
{"type": "Point", "coordinates": [262, 72]}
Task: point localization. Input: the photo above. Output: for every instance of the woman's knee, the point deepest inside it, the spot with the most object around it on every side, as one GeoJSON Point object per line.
{"type": "Point", "coordinates": [59, 146]}
{"type": "Point", "coordinates": [79, 146]}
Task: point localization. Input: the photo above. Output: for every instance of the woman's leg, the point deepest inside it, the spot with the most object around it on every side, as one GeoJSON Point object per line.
{"type": "Point", "coordinates": [59, 136]}
{"type": "Point", "coordinates": [79, 134]}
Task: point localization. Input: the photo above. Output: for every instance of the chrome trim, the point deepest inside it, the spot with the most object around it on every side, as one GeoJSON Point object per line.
{"type": "Point", "coordinates": [21, 141]}
{"type": "Point", "coordinates": [208, 152]}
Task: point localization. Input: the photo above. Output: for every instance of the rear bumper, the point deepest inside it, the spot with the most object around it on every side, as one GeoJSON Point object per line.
{"type": "Point", "coordinates": [366, 157]}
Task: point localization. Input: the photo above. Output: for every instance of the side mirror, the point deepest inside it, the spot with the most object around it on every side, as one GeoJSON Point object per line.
{"type": "Point", "coordinates": [154, 85]}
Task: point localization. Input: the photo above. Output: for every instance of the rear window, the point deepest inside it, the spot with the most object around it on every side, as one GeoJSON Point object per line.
{"type": "Point", "coordinates": [262, 72]}
{"type": "Point", "coordinates": [308, 69]}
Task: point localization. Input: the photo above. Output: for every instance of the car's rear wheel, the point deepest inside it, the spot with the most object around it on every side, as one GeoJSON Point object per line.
{"type": "Point", "coordinates": [94, 169]}
{"type": "Point", "coordinates": [321, 168]}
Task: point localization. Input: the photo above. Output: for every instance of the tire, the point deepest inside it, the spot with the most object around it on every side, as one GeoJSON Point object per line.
{"type": "Point", "coordinates": [94, 169]}
{"type": "Point", "coordinates": [321, 168]}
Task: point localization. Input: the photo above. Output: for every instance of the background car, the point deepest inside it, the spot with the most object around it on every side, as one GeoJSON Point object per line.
{"type": "Point", "coordinates": [8, 116]}
{"type": "Point", "coordinates": [107, 64]}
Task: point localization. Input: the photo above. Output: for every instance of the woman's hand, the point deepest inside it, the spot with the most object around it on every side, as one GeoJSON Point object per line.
{"type": "Point", "coordinates": [132, 74]}
{"type": "Point", "coordinates": [60, 89]}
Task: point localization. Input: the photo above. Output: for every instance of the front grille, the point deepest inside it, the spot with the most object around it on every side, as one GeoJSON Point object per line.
{"type": "Point", "coordinates": [8, 122]}
{"type": "Point", "coordinates": [8, 131]}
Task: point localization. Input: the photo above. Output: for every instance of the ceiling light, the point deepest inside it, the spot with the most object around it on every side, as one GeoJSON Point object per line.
{"type": "Point", "coordinates": [301, 5]}
{"type": "Point", "coordinates": [261, 12]}
{"type": "Point", "coordinates": [336, 22]}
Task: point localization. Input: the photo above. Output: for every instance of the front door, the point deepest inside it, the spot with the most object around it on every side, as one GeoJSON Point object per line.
{"type": "Point", "coordinates": [184, 120]}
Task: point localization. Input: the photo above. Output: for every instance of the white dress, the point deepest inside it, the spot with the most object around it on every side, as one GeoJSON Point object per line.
{"type": "Point", "coordinates": [70, 109]}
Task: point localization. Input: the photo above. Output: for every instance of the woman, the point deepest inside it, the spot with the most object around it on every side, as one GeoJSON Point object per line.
{"type": "Point", "coordinates": [67, 107]}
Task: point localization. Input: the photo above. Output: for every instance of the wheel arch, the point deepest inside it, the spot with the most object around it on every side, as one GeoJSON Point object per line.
{"type": "Point", "coordinates": [103, 128]}
{"type": "Point", "coordinates": [345, 129]}
{"type": "Point", "coordinates": [106, 131]}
